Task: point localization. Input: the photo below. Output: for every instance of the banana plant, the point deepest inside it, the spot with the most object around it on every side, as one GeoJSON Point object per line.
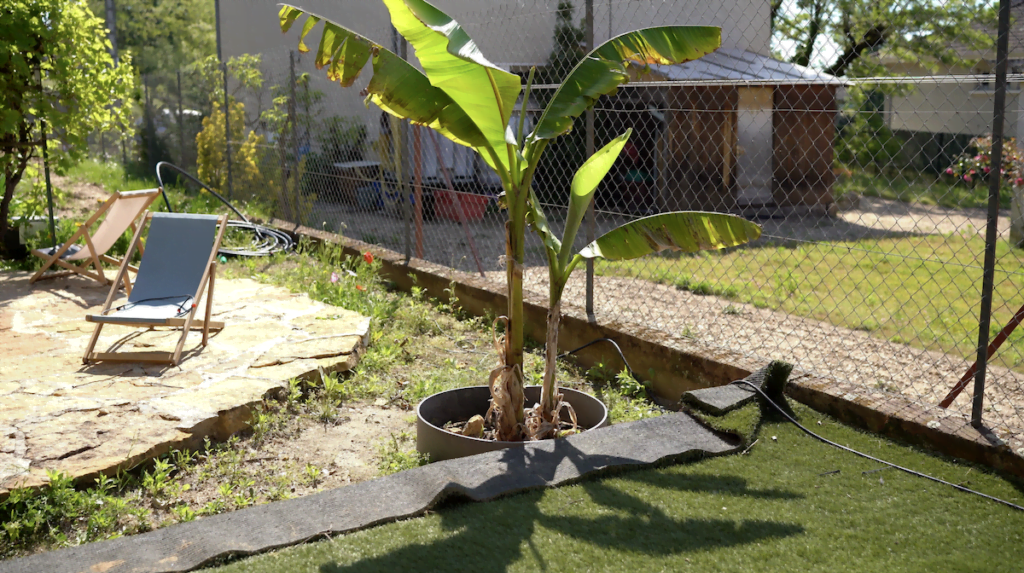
{"type": "Point", "coordinates": [466, 98]}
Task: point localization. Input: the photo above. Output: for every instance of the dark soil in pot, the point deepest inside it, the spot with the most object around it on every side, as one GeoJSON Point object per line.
{"type": "Point", "coordinates": [461, 404]}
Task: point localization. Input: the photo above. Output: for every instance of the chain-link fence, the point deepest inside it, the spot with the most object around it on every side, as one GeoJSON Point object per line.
{"type": "Point", "coordinates": [863, 138]}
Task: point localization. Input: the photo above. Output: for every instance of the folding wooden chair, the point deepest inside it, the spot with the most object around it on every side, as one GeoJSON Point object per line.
{"type": "Point", "coordinates": [179, 264]}
{"type": "Point", "coordinates": [122, 209]}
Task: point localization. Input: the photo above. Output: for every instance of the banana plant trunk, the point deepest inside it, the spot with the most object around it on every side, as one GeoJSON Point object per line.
{"type": "Point", "coordinates": [510, 428]}
{"type": "Point", "coordinates": [548, 401]}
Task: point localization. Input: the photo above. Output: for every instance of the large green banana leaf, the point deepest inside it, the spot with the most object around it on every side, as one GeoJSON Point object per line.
{"type": "Point", "coordinates": [687, 231]}
{"type": "Point", "coordinates": [604, 69]}
{"type": "Point", "coordinates": [396, 86]}
{"type": "Point", "coordinates": [581, 191]}
{"type": "Point", "coordinates": [453, 62]}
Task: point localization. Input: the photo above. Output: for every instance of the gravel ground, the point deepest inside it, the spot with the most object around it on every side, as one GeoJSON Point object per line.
{"type": "Point", "coordinates": [814, 346]}
{"type": "Point", "coordinates": [854, 356]}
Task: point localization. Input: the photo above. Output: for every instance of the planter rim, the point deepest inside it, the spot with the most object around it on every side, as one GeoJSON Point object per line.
{"type": "Point", "coordinates": [419, 415]}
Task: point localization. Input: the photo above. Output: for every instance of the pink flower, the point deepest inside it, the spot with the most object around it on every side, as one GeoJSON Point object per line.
{"type": "Point", "coordinates": [335, 278]}
{"type": "Point", "coordinates": [977, 158]}
{"type": "Point", "coordinates": [986, 169]}
{"type": "Point", "coordinates": [973, 172]}
{"type": "Point", "coordinates": [1020, 181]}
{"type": "Point", "coordinates": [967, 177]}
{"type": "Point", "coordinates": [949, 171]}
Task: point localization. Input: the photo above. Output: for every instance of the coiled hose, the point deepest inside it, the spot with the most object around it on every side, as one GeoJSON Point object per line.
{"type": "Point", "coordinates": [266, 240]}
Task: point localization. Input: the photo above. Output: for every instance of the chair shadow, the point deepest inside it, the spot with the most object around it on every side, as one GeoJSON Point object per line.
{"type": "Point", "coordinates": [148, 369]}
{"type": "Point", "coordinates": [498, 533]}
{"type": "Point", "coordinates": [90, 293]}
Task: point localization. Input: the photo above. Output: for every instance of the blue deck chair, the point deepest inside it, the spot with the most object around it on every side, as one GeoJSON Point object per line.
{"type": "Point", "coordinates": [179, 264]}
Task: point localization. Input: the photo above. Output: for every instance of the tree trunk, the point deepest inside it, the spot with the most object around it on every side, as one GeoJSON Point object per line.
{"type": "Point", "coordinates": [776, 5]}
{"type": "Point", "coordinates": [11, 180]}
{"type": "Point", "coordinates": [5, 203]}
{"type": "Point", "coordinates": [873, 38]}
{"type": "Point", "coordinates": [804, 52]}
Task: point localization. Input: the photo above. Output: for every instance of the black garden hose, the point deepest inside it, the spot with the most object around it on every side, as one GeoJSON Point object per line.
{"type": "Point", "coordinates": [816, 436]}
{"type": "Point", "coordinates": [266, 240]}
{"type": "Point", "coordinates": [782, 411]}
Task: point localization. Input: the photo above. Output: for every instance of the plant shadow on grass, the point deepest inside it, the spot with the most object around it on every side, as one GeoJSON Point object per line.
{"type": "Point", "coordinates": [497, 532]}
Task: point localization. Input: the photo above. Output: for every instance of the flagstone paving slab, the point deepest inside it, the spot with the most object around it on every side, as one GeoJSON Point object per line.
{"type": "Point", "coordinates": [59, 414]}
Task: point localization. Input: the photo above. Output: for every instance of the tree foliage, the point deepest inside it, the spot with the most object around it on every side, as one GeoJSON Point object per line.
{"type": "Point", "coordinates": [211, 148]}
{"type": "Point", "coordinates": [163, 35]}
{"type": "Point", "coordinates": [865, 141]}
{"type": "Point", "coordinates": [54, 66]}
{"type": "Point", "coordinates": [839, 36]}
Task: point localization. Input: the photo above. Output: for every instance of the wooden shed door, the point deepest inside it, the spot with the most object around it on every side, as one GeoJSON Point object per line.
{"type": "Point", "coordinates": [754, 137]}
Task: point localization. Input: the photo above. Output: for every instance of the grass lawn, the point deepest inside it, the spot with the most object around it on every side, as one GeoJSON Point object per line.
{"type": "Point", "coordinates": [790, 504]}
{"type": "Point", "coordinates": [923, 290]}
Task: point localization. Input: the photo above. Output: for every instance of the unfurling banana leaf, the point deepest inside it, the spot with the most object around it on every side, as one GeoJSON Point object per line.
{"type": "Point", "coordinates": [581, 192]}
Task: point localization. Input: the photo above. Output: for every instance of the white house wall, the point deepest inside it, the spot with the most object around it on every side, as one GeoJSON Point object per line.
{"type": "Point", "coordinates": [953, 107]}
{"type": "Point", "coordinates": [507, 31]}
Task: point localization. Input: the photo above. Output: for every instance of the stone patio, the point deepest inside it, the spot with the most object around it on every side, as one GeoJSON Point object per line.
{"type": "Point", "coordinates": [58, 414]}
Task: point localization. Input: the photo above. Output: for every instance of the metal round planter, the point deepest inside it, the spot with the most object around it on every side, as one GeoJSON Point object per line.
{"type": "Point", "coordinates": [463, 403]}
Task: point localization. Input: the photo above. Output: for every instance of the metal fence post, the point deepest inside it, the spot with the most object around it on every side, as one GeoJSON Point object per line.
{"type": "Point", "coordinates": [227, 113]}
{"type": "Point", "coordinates": [149, 128]}
{"type": "Point", "coordinates": [227, 128]}
{"type": "Point", "coordinates": [111, 22]}
{"type": "Point", "coordinates": [293, 118]}
{"type": "Point", "coordinates": [405, 168]}
{"type": "Point", "coordinates": [591, 223]}
{"type": "Point", "coordinates": [46, 167]}
{"type": "Point", "coordinates": [181, 126]}
{"type": "Point", "coordinates": [124, 156]}
{"type": "Point", "coordinates": [991, 230]}
{"type": "Point", "coordinates": [49, 186]}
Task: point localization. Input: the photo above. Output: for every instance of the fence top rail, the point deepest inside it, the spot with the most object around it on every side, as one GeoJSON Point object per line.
{"type": "Point", "coordinates": [899, 80]}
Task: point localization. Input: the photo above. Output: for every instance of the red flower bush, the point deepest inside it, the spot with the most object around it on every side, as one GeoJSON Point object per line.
{"type": "Point", "coordinates": [977, 158]}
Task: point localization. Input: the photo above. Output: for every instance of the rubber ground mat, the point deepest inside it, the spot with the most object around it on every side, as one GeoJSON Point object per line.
{"type": "Point", "coordinates": [186, 546]}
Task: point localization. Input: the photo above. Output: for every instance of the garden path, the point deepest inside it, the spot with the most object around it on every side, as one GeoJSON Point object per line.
{"type": "Point", "coordinates": [58, 414]}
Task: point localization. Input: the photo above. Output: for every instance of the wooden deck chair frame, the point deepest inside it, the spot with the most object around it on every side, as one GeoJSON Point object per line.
{"type": "Point", "coordinates": [185, 323]}
{"type": "Point", "coordinates": [94, 261]}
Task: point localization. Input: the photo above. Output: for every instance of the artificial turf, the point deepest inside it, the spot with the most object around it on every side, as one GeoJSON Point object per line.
{"type": "Point", "coordinates": [790, 503]}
